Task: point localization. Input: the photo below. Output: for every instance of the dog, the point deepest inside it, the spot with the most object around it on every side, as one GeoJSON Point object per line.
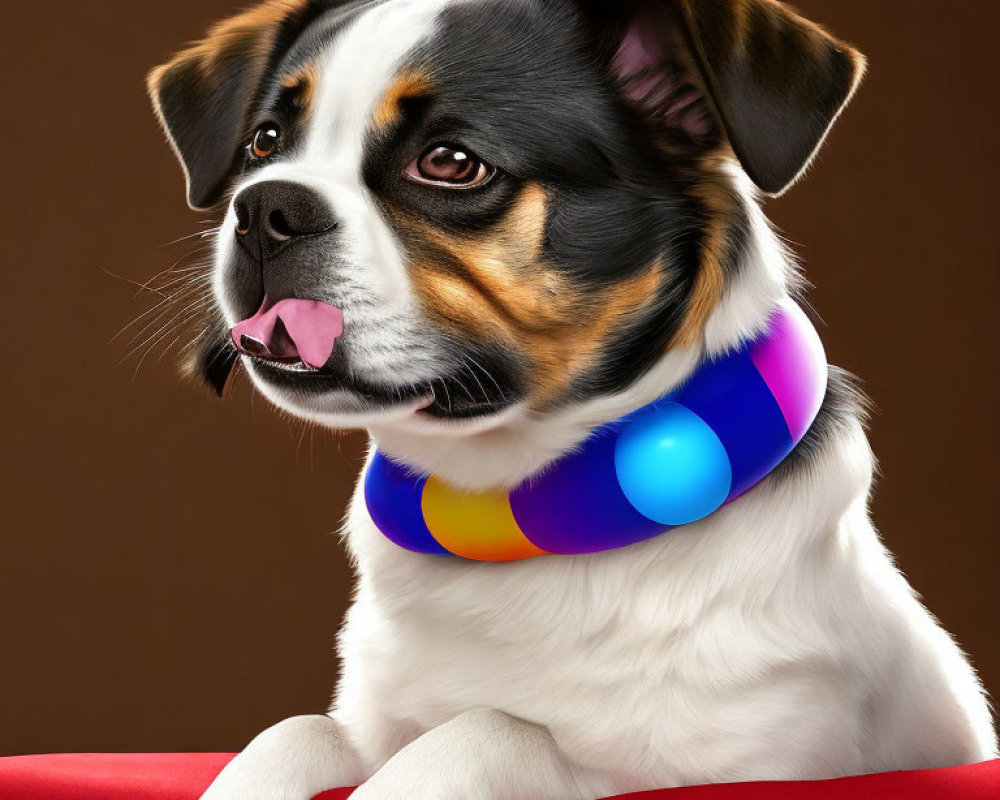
{"type": "Point", "coordinates": [482, 230]}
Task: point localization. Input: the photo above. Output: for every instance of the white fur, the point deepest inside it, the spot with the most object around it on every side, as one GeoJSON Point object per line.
{"type": "Point", "coordinates": [773, 640]}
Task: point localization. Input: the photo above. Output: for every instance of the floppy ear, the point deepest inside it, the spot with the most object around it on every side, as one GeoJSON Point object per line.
{"type": "Point", "coordinates": [774, 81]}
{"type": "Point", "coordinates": [204, 96]}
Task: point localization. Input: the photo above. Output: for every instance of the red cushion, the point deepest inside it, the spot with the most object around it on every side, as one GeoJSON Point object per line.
{"type": "Point", "coordinates": [177, 776]}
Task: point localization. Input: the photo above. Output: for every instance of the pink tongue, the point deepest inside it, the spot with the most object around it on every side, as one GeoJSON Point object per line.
{"type": "Point", "coordinates": [308, 330]}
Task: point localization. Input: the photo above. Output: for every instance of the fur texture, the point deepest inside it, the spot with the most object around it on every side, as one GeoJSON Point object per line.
{"type": "Point", "coordinates": [616, 243]}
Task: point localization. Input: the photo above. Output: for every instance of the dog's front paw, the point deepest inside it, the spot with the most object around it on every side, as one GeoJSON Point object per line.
{"type": "Point", "coordinates": [293, 760]}
{"type": "Point", "coordinates": [410, 776]}
{"type": "Point", "coordinates": [480, 755]}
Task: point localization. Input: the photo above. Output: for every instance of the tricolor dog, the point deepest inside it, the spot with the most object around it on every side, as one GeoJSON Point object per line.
{"type": "Point", "coordinates": [484, 230]}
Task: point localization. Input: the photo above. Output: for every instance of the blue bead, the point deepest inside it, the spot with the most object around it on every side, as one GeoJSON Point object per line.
{"type": "Point", "coordinates": [393, 498]}
{"type": "Point", "coordinates": [671, 465]}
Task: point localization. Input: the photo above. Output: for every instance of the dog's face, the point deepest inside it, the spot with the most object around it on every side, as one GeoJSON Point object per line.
{"type": "Point", "coordinates": [510, 204]}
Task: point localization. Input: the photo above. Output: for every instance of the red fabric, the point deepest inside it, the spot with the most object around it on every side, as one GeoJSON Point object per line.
{"type": "Point", "coordinates": [175, 776]}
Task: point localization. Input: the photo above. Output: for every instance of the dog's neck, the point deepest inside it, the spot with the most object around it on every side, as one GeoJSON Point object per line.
{"type": "Point", "coordinates": [521, 442]}
{"type": "Point", "coordinates": [670, 463]}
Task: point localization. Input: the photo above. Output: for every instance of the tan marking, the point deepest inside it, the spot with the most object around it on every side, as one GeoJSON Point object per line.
{"type": "Point", "coordinates": [303, 83]}
{"type": "Point", "coordinates": [505, 263]}
{"type": "Point", "coordinates": [720, 206]}
{"type": "Point", "coordinates": [408, 84]}
{"type": "Point", "coordinates": [252, 31]}
{"type": "Point", "coordinates": [497, 288]}
{"type": "Point", "coordinates": [604, 315]}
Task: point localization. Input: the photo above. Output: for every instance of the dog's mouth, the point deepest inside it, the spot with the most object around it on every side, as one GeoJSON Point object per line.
{"type": "Point", "coordinates": [453, 398]}
{"type": "Point", "coordinates": [448, 397]}
{"type": "Point", "coordinates": [295, 334]}
{"type": "Point", "coordinates": [293, 345]}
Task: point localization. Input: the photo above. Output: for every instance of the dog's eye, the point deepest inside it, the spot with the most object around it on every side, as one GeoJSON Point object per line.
{"type": "Point", "coordinates": [265, 141]}
{"type": "Point", "coordinates": [449, 166]}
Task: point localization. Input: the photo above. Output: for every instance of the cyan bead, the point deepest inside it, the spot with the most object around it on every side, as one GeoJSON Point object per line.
{"type": "Point", "coordinates": [671, 466]}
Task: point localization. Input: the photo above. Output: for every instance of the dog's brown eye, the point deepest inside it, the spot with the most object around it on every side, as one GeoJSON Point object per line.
{"type": "Point", "coordinates": [265, 141]}
{"type": "Point", "coordinates": [450, 166]}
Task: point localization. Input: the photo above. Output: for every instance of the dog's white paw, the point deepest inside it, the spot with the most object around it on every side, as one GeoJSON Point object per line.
{"type": "Point", "coordinates": [480, 755]}
{"type": "Point", "coordinates": [293, 760]}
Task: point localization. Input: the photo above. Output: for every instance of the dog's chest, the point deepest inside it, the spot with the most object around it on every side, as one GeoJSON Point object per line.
{"type": "Point", "coordinates": [622, 654]}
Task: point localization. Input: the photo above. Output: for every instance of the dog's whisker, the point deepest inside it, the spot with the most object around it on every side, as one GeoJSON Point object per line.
{"type": "Point", "coordinates": [468, 366]}
{"type": "Point", "coordinates": [461, 384]}
{"type": "Point", "coordinates": [198, 252]}
{"type": "Point", "coordinates": [171, 324]}
{"type": "Point", "coordinates": [177, 319]}
{"type": "Point", "coordinates": [160, 309]}
{"type": "Point", "coordinates": [167, 348]}
{"type": "Point", "coordinates": [152, 346]}
{"type": "Point", "coordinates": [168, 293]}
{"type": "Point", "coordinates": [196, 339]}
{"type": "Point", "coordinates": [141, 286]}
{"type": "Point", "coordinates": [196, 234]}
{"type": "Point", "coordinates": [489, 377]}
{"type": "Point", "coordinates": [447, 394]}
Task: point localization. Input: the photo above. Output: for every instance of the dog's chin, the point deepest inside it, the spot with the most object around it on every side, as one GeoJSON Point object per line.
{"type": "Point", "coordinates": [336, 399]}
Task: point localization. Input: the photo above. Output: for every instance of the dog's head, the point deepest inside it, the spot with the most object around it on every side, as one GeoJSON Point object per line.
{"type": "Point", "coordinates": [506, 204]}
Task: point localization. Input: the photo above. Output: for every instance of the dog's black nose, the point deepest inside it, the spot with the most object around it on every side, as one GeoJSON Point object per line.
{"type": "Point", "coordinates": [271, 213]}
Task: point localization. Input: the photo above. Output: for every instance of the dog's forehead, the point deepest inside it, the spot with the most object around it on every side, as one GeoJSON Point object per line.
{"type": "Point", "coordinates": [478, 58]}
{"type": "Point", "coordinates": [355, 56]}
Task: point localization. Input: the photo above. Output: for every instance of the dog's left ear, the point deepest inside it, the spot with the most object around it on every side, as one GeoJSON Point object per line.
{"type": "Point", "coordinates": [774, 81]}
{"type": "Point", "coordinates": [204, 96]}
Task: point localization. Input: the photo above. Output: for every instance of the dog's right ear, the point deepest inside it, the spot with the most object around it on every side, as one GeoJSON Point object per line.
{"type": "Point", "coordinates": [777, 80]}
{"type": "Point", "coordinates": [204, 96]}
{"type": "Point", "coordinates": [769, 80]}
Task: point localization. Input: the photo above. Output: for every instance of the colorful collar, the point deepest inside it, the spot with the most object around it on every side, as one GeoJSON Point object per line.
{"type": "Point", "coordinates": [670, 463]}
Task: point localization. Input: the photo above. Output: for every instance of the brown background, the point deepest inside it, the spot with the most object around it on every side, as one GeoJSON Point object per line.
{"type": "Point", "coordinates": [155, 596]}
